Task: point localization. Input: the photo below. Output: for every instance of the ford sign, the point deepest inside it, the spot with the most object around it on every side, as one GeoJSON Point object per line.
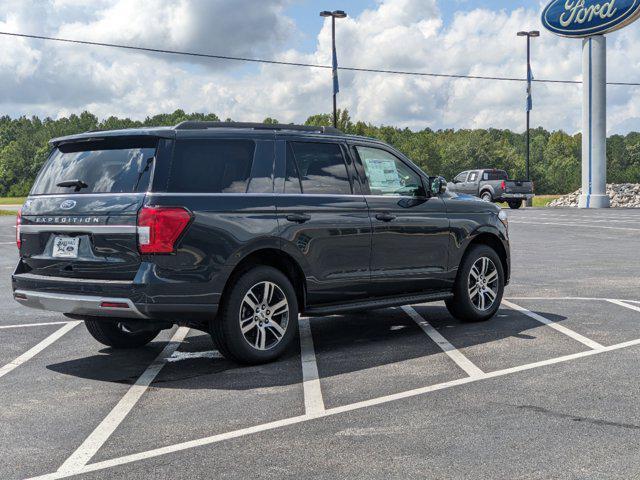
{"type": "Point", "coordinates": [585, 18]}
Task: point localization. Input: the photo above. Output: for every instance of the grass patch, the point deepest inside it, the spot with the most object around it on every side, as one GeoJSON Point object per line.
{"type": "Point", "coordinates": [12, 200]}
{"type": "Point", "coordinates": [544, 200]}
{"type": "Point", "coordinates": [538, 201]}
{"type": "Point", "coordinates": [8, 213]}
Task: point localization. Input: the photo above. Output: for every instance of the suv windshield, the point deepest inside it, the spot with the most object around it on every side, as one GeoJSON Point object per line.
{"type": "Point", "coordinates": [107, 166]}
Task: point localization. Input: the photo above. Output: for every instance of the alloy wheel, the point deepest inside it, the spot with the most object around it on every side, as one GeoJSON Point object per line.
{"type": "Point", "coordinates": [483, 284]}
{"type": "Point", "coordinates": [264, 315]}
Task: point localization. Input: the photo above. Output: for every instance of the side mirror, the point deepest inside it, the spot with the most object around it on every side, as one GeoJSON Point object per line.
{"type": "Point", "coordinates": [438, 186]}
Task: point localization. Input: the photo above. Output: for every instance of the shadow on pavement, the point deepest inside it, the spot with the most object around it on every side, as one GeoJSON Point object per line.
{"type": "Point", "coordinates": [343, 344]}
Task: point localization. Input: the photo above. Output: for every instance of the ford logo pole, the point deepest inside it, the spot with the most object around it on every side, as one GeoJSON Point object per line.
{"type": "Point", "coordinates": [590, 20]}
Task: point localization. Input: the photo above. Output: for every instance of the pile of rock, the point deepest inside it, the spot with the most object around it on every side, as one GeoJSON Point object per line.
{"type": "Point", "coordinates": [624, 195]}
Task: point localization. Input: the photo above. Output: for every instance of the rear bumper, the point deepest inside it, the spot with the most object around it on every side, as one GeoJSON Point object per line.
{"type": "Point", "coordinates": [94, 298]}
{"type": "Point", "coordinates": [81, 305]}
{"type": "Point", "coordinates": [517, 196]}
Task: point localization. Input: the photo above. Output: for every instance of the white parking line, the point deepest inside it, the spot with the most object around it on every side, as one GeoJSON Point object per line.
{"type": "Point", "coordinates": [585, 299]}
{"type": "Point", "coordinates": [576, 218]}
{"type": "Point", "coordinates": [32, 325]}
{"type": "Point", "coordinates": [330, 412]}
{"type": "Point", "coordinates": [560, 328]}
{"type": "Point", "coordinates": [625, 305]}
{"type": "Point", "coordinates": [567, 224]}
{"type": "Point", "coordinates": [313, 401]}
{"type": "Point", "coordinates": [463, 362]}
{"type": "Point", "coordinates": [33, 351]}
{"type": "Point", "coordinates": [101, 434]}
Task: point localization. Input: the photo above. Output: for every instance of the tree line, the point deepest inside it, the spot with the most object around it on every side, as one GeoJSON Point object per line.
{"type": "Point", "coordinates": [555, 156]}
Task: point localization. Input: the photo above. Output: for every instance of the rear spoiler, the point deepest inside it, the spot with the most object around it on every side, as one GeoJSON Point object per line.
{"type": "Point", "coordinates": [96, 136]}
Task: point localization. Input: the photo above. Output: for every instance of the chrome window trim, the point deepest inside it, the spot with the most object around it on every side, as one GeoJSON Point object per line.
{"type": "Point", "coordinates": [316, 195]}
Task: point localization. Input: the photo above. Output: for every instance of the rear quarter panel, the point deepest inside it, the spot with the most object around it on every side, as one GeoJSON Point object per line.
{"type": "Point", "coordinates": [225, 228]}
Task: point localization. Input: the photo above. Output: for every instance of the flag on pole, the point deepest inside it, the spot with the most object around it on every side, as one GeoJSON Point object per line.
{"type": "Point", "coordinates": [529, 93]}
{"type": "Point", "coordinates": [336, 84]}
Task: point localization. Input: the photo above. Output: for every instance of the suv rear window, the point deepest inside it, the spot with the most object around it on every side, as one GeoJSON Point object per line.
{"type": "Point", "coordinates": [106, 166]}
{"type": "Point", "coordinates": [211, 166]}
{"type": "Point", "coordinates": [321, 168]}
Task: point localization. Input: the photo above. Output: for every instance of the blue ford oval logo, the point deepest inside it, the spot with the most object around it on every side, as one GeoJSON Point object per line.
{"type": "Point", "coordinates": [68, 204]}
{"type": "Point", "coordinates": [585, 18]}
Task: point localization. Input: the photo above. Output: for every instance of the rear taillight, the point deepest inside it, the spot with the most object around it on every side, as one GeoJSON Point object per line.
{"type": "Point", "coordinates": [160, 227]}
{"type": "Point", "coordinates": [18, 224]}
{"type": "Point", "coordinates": [503, 185]}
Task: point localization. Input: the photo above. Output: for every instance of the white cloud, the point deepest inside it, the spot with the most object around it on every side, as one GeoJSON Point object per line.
{"type": "Point", "coordinates": [55, 79]}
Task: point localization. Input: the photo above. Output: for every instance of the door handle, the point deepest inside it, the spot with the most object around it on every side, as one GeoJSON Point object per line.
{"type": "Point", "coordinates": [386, 217]}
{"type": "Point", "coordinates": [298, 218]}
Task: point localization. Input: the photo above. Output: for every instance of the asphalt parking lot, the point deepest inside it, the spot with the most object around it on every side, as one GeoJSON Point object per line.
{"type": "Point", "coordinates": [547, 389]}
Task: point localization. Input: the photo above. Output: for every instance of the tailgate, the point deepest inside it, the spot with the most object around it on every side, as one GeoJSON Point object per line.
{"type": "Point", "coordinates": [519, 186]}
{"type": "Point", "coordinates": [89, 231]}
{"type": "Point", "coordinates": [97, 241]}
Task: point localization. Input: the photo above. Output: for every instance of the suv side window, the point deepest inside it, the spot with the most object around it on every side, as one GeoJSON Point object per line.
{"type": "Point", "coordinates": [211, 166]}
{"type": "Point", "coordinates": [388, 175]}
{"type": "Point", "coordinates": [473, 176]}
{"type": "Point", "coordinates": [321, 168]}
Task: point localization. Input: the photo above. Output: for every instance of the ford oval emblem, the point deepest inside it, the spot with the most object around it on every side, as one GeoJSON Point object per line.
{"type": "Point", "coordinates": [585, 18]}
{"type": "Point", "coordinates": [68, 204]}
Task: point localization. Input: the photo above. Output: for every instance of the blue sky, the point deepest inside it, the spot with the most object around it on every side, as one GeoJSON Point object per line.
{"type": "Point", "coordinates": [395, 34]}
{"type": "Point", "coordinates": [306, 13]}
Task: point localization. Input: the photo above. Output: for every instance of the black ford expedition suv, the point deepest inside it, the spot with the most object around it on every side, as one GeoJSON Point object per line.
{"type": "Point", "coordinates": [237, 229]}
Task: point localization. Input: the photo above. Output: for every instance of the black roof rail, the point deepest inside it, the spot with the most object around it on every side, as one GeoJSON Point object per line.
{"type": "Point", "coordinates": [195, 125]}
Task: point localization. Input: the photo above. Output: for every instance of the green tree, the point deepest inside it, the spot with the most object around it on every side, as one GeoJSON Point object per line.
{"type": "Point", "coordinates": [555, 156]}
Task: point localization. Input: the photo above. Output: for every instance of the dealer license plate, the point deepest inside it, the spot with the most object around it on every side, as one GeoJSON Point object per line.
{"type": "Point", "coordinates": [65, 247]}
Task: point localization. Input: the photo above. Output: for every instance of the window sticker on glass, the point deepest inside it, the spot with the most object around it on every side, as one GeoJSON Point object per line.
{"type": "Point", "coordinates": [387, 174]}
{"type": "Point", "coordinates": [383, 174]}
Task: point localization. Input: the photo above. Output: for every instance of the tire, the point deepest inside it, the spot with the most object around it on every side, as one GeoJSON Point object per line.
{"type": "Point", "coordinates": [515, 204]}
{"type": "Point", "coordinates": [113, 335]}
{"type": "Point", "coordinates": [466, 307]}
{"type": "Point", "coordinates": [261, 342]}
{"type": "Point", "coordinates": [486, 197]}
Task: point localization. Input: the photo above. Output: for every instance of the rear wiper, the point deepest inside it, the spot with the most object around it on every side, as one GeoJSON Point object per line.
{"type": "Point", "coordinates": [145, 169]}
{"type": "Point", "coordinates": [78, 184]}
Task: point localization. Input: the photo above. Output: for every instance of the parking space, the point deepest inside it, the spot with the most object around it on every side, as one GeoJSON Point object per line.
{"type": "Point", "coordinates": [376, 354]}
{"type": "Point", "coordinates": [547, 386]}
{"type": "Point", "coordinates": [508, 340]}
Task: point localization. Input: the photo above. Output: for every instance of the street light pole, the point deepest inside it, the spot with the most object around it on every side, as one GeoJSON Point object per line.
{"type": "Point", "coordinates": [335, 94]}
{"type": "Point", "coordinates": [528, 111]}
{"type": "Point", "coordinates": [334, 70]}
{"type": "Point", "coordinates": [529, 35]}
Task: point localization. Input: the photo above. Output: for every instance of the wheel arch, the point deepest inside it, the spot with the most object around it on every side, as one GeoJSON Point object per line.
{"type": "Point", "coordinates": [492, 240]}
{"type": "Point", "coordinates": [278, 259]}
{"type": "Point", "coordinates": [488, 189]}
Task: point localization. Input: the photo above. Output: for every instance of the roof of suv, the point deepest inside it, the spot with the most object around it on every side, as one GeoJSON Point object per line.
{"type": "Point", "coordinates": [210, 127]}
